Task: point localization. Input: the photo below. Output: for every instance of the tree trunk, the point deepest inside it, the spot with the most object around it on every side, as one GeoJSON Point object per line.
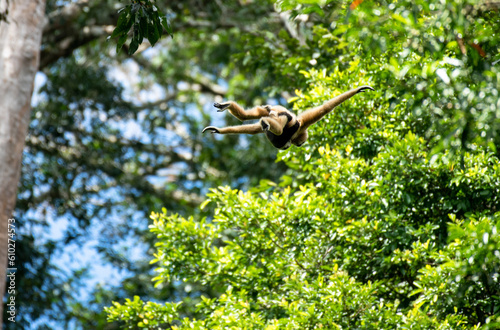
{"type": "Point", "coordinates": [20, 40]}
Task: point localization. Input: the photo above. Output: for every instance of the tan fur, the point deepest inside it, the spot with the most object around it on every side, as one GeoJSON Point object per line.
{"type": "Point", "coordinates": [275, 122]}
{"type": "Point", "coordinates": [312, 116]}
{"type": "Point", "coordinates": [242, 129]}
{"type": "Point", "coordinates": [270, 119]}
{"type": "Point", "coordinates": [242, 114]}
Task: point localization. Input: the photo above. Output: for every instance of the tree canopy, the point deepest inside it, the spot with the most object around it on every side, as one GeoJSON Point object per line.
{"type": "Point", "coordinates": [389, 217]}
{"type": "Point", "coordinates": [113, 137]}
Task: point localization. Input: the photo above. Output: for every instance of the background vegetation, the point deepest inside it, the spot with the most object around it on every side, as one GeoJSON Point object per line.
{"type": "Point", "coordinates": [387, 218]}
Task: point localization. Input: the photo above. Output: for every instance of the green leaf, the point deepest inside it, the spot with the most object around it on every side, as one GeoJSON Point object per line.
{"type": "Point", "coordinates": [134, 45]}
{"type": "Point", "coordinates": [120, 42]}
{"type": "Point", "coordinates": [124, 22]}
{"type": "Point", "coordinates": [166, 25]}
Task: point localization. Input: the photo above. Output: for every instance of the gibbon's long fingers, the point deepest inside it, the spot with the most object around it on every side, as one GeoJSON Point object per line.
{"type": "Point", "coordinates": [240, 113]}
{"type": "Point", "coordinates": [222, 106]}
{"type": "Point", "coordinates": [364, 88]}
{"type": "Point", "coordinates": [211, 129]}
{"type": "Point", "coordinates": [310, 117]}
{"type": "Point", "coordinates": [242, 129]}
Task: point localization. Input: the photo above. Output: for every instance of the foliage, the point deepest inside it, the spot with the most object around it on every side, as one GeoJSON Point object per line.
{"type": "Point", "coordinates": [112, 137]}
{"type": "Point", "coordinates": [358, 237]}
{"type": "Point", "coordinates": [154, 314]}
{"type": "Point", "coordinates": [446, 58]}
{"type": "Point", "coordinates": [390, 217]}
{"type": "Point", "coordinates": [440, 56]}
{"type": "Point", "coordinates": [145, 20]}
{"type": "Point", "coordinates": [465, 277]}
{"type": "Point", "coordinates": [372, 194]}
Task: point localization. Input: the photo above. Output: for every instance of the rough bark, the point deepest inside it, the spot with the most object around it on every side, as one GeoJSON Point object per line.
{"type": "Point", "coordinates": [20, 41]}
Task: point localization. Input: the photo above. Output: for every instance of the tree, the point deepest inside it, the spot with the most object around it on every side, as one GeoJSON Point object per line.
{"type": "Point", "coordinates": [82, 170]}
{"type": "Point", "coordinates": [390, 217]}
{"type": "Point", "coordinates": [20, 39]}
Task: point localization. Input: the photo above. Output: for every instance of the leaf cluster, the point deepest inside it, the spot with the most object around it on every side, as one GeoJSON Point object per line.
{"type": "Point", "coordinates": [145, 20]}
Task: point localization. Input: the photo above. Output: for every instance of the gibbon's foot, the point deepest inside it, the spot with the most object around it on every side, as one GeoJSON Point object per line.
{"type": "Point", "coordinates": [222, 106]}
{"type": "Point", "coordinates": [364, 88]}
{"type": "Point", "coordinates": [265, 125]}
{"type": "Point", "coordinates": [211, 129]}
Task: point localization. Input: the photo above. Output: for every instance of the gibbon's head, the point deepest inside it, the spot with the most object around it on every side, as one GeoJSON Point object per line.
{"type": "Point", "coordinates": [300, 139]}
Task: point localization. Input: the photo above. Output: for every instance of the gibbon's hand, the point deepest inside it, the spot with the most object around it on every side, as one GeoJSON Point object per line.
{"type": "Point", "coordinates": [222, 106]}
{"type": "Point", "coordinates": [364, 88]}
{"type": "Point", "coordinates": [211, 129]}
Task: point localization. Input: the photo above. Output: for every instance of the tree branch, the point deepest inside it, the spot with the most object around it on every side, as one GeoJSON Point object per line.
{"type": "Point", "coordinates": [64, 16]}
{"type": "Point", "coordinates": [67, 45]}
{"type": "Point", "coordinates": [205, 84]}
{"type": "Point", "coordinates": [64, 31]}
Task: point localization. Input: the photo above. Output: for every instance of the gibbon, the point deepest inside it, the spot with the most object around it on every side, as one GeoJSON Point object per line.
{"type": "Point", "coordinates": [282, 127]}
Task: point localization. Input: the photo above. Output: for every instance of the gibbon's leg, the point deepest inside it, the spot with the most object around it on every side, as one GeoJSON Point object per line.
{"type": "Point", "coordinates": [242, 129]}
{"type": "Point", "coordinates": [300, 139]}
{"type": "Point", "coordinates": [242, 114]}
{"type": "Point", "coordinates": [274, 123]}
{"type": "Point", "coordinates": [310, 117]}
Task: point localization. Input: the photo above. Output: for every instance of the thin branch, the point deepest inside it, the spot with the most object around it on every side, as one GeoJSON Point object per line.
{"type": "Point", "coordinates": [159, 103]}
{"type": "Point", "coordinates": [111, 169]}
{"type": "Point", "coordinates": [205, 84]}
{"type": "Point", "coordinates": [66, 46]}
{"type": "Point", "coordinates": [63, 31]}
{"type": "Point", "coordinates": [64, 16]}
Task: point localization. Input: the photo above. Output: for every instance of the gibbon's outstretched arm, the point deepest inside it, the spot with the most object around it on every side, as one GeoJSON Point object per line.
{"type": "Point", "coordinates": [242, 114]}
{"type": "Point", "coordinates": [281, 126]}
{"type": "Point", "coordinates": [270, 119]}
{"type": "Point", "coordinates": [242, 129]}
{"type": "Point", "coordinates": [272, 123]}
{"type": "Point", "coordinates": [312, 116]}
